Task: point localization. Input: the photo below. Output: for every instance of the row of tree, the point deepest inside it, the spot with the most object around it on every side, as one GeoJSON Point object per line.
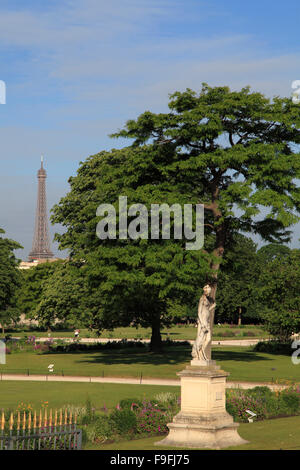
{"type": "Point", "coordinates": [255, 286]}
{"type": "Point", "coordinates": [233, 152]}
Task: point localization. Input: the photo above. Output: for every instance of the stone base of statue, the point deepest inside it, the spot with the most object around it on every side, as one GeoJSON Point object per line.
{"type": "Point", "coordinates": [203, 421]}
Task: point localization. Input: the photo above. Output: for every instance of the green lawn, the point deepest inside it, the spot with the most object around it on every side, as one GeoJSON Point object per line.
{"type": "Point", "coordinates": [117, 363]}
{"type": "Point", "coordinates": [241, 362]}
{"type": "Point", "coordinates": [283, 433]}
{"type": "Point", "coordinates": [244, 364]}
{"type": "Point", "coordinates": [58, 394]}
{"type": "Point", "coordinates": [275, 434]}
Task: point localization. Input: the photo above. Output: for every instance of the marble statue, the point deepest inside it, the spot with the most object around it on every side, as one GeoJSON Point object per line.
{"type": "Point", "coordinates": [201, 348]}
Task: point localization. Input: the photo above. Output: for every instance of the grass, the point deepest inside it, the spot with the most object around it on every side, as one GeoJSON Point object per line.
{"type": "Point", "coordinates": [242, 363]}
{"type": "Point", "coordinates": [180, 332]}
{"type": "Point", "coordinates": [275, 434]}
{"type": "Point", "coordinates": [58, 394]}
{"type": "Point", "coordinates": [117, 363]}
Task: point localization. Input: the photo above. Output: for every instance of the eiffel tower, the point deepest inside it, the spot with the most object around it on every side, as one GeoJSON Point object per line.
{"type": "Point", "coordinates": [41, 244]}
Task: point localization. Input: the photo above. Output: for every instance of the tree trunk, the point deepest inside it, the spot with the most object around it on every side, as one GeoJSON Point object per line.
{"type": "Point", "coordinates": [215, 265]}
{"type": "Point", "coordinates": [240, 316]}
{"type": "Point", "coordinates": [156, 343]}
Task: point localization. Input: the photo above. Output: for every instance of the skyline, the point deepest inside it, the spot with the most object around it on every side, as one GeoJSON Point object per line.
{"type": "Point", "coordinates": [76, 71]}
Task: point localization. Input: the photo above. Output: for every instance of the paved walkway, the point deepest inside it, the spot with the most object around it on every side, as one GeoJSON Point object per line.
{"type": "Point", "coordinates": [118, 380]}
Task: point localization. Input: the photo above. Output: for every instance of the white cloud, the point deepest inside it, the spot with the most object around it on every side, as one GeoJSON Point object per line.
{"type": "Point", "coordinates": [80, 70]}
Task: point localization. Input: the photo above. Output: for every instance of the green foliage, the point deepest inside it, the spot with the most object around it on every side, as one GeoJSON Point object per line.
{"type": "Point", "coordinates": [151, 419]}
{"type": "Point", "coordinates": [101, 430]}
{"type": "Point", "coordinates": [33, 281]}
{"type": "Point", "coordinates": [236, 282]}
{"type": "Point", "coordinates": [264, 402]}
{"type": "Point", "coordinates": [127, 403]}
{"type": "Point", "coordinates": [63, 296]}
{"type": "Point", "coordinates": [123, 421]}
{"type": "Point", "coordinates": [289, 403]}
{"type": "Point", "coordinates": [166, 399]}
{"type": "Point", "coordinates": [53, 291]}
{"type": "Point", "coordinates": [61, 347]}
{"type": "Point", "coordinates": [272, 251]}
{"type": "Point", "coordinates": [256, 166]}
{"type": "Point", "coordinates": [237, 402]}
{"type": "Point", "coordinates": [279, 295]}
{"type": "Point", "coordinates": [145, 282]}
{"type": "Point", "coordinates": [273, 347]}
{"type": "Point", "coordinates": [10, 280]}
{"type": "Point", "coordinates": [234, 152]}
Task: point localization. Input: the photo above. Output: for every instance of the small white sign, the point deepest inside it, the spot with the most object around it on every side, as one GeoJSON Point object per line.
{"type": "Point", "coordinates": [251, 414]}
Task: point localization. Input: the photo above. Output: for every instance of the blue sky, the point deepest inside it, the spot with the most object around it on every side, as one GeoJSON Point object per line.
{"type": "Point", "coordinates": [76, 70]}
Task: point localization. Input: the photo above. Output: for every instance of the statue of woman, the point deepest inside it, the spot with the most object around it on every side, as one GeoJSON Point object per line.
{"type": "Point", "coordinates": [203, 339]}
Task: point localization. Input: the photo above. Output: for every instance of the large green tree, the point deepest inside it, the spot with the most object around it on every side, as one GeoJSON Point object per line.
{"type": "Point", "coordinates": [278, 292]}
{"type": "Point", "coordinates": [237, 282]}
{"type": "Point", "coordinates": [237, 149]}
{"type": "Point", "coordinates": [10, 279]}
{"type": "Point", "coordinates": [63, 298]}
{"type": "Point", "coordinates": [33, 281]}
{"type": "Point", "coordinates": [143, 282]}
{"type": "Point", "coordinates": [232, 151]}
{"type": "Point", "coordinates": [272, 251]}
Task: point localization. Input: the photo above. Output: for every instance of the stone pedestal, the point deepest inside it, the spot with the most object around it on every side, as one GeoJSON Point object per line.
{"type": "Point", "coordinates": [203, 421]}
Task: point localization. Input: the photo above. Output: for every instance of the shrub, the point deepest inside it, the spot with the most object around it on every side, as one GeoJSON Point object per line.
{"type": "Point", "coordinates": [238, 401]}
{"type": "Point", "coordinates": [166, 397]}
{"type": "Point", "coordinates": [261, 391]}
{"type": "Point", "coordinates": [273, 347]}
{"type": "Point", "coordinates": [262, 401]}
{"type": "Point", "coordinates": [226, 334]}
{"type": "Point", "coordinates": [128, 402]}
{"type": "Point", "coordinates": [250, 333]}
{"type": "Point", "coordinates": [289, 402]}
{"type": "Point", "coordinates": [100, 430]}
{"type": "Point", "coordinates": [168, 401]}
{"type": "Point", "coordinates": [123, 421]}
{"type": "Point", "coordinates": [88, 415]}
{"type": "Point", "coordinates": [151, 420]}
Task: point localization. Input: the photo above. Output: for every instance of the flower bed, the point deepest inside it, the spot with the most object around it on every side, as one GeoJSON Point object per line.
{"type": "Point", "coordinates": [133, 419]}
{"type": "Point", "coordinates": [263, 402]}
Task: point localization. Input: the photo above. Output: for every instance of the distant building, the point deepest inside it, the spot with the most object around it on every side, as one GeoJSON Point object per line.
{"type": "Point", "coordinates": [36, 262]}
{"type": "Point", "coordinates": [41, 244]}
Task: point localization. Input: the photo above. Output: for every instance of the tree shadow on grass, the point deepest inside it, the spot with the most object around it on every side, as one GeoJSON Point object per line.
{"type": "Point", "coordinates": [240, 356]}
{"type": "Point", "coordinates": [169, 356]}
